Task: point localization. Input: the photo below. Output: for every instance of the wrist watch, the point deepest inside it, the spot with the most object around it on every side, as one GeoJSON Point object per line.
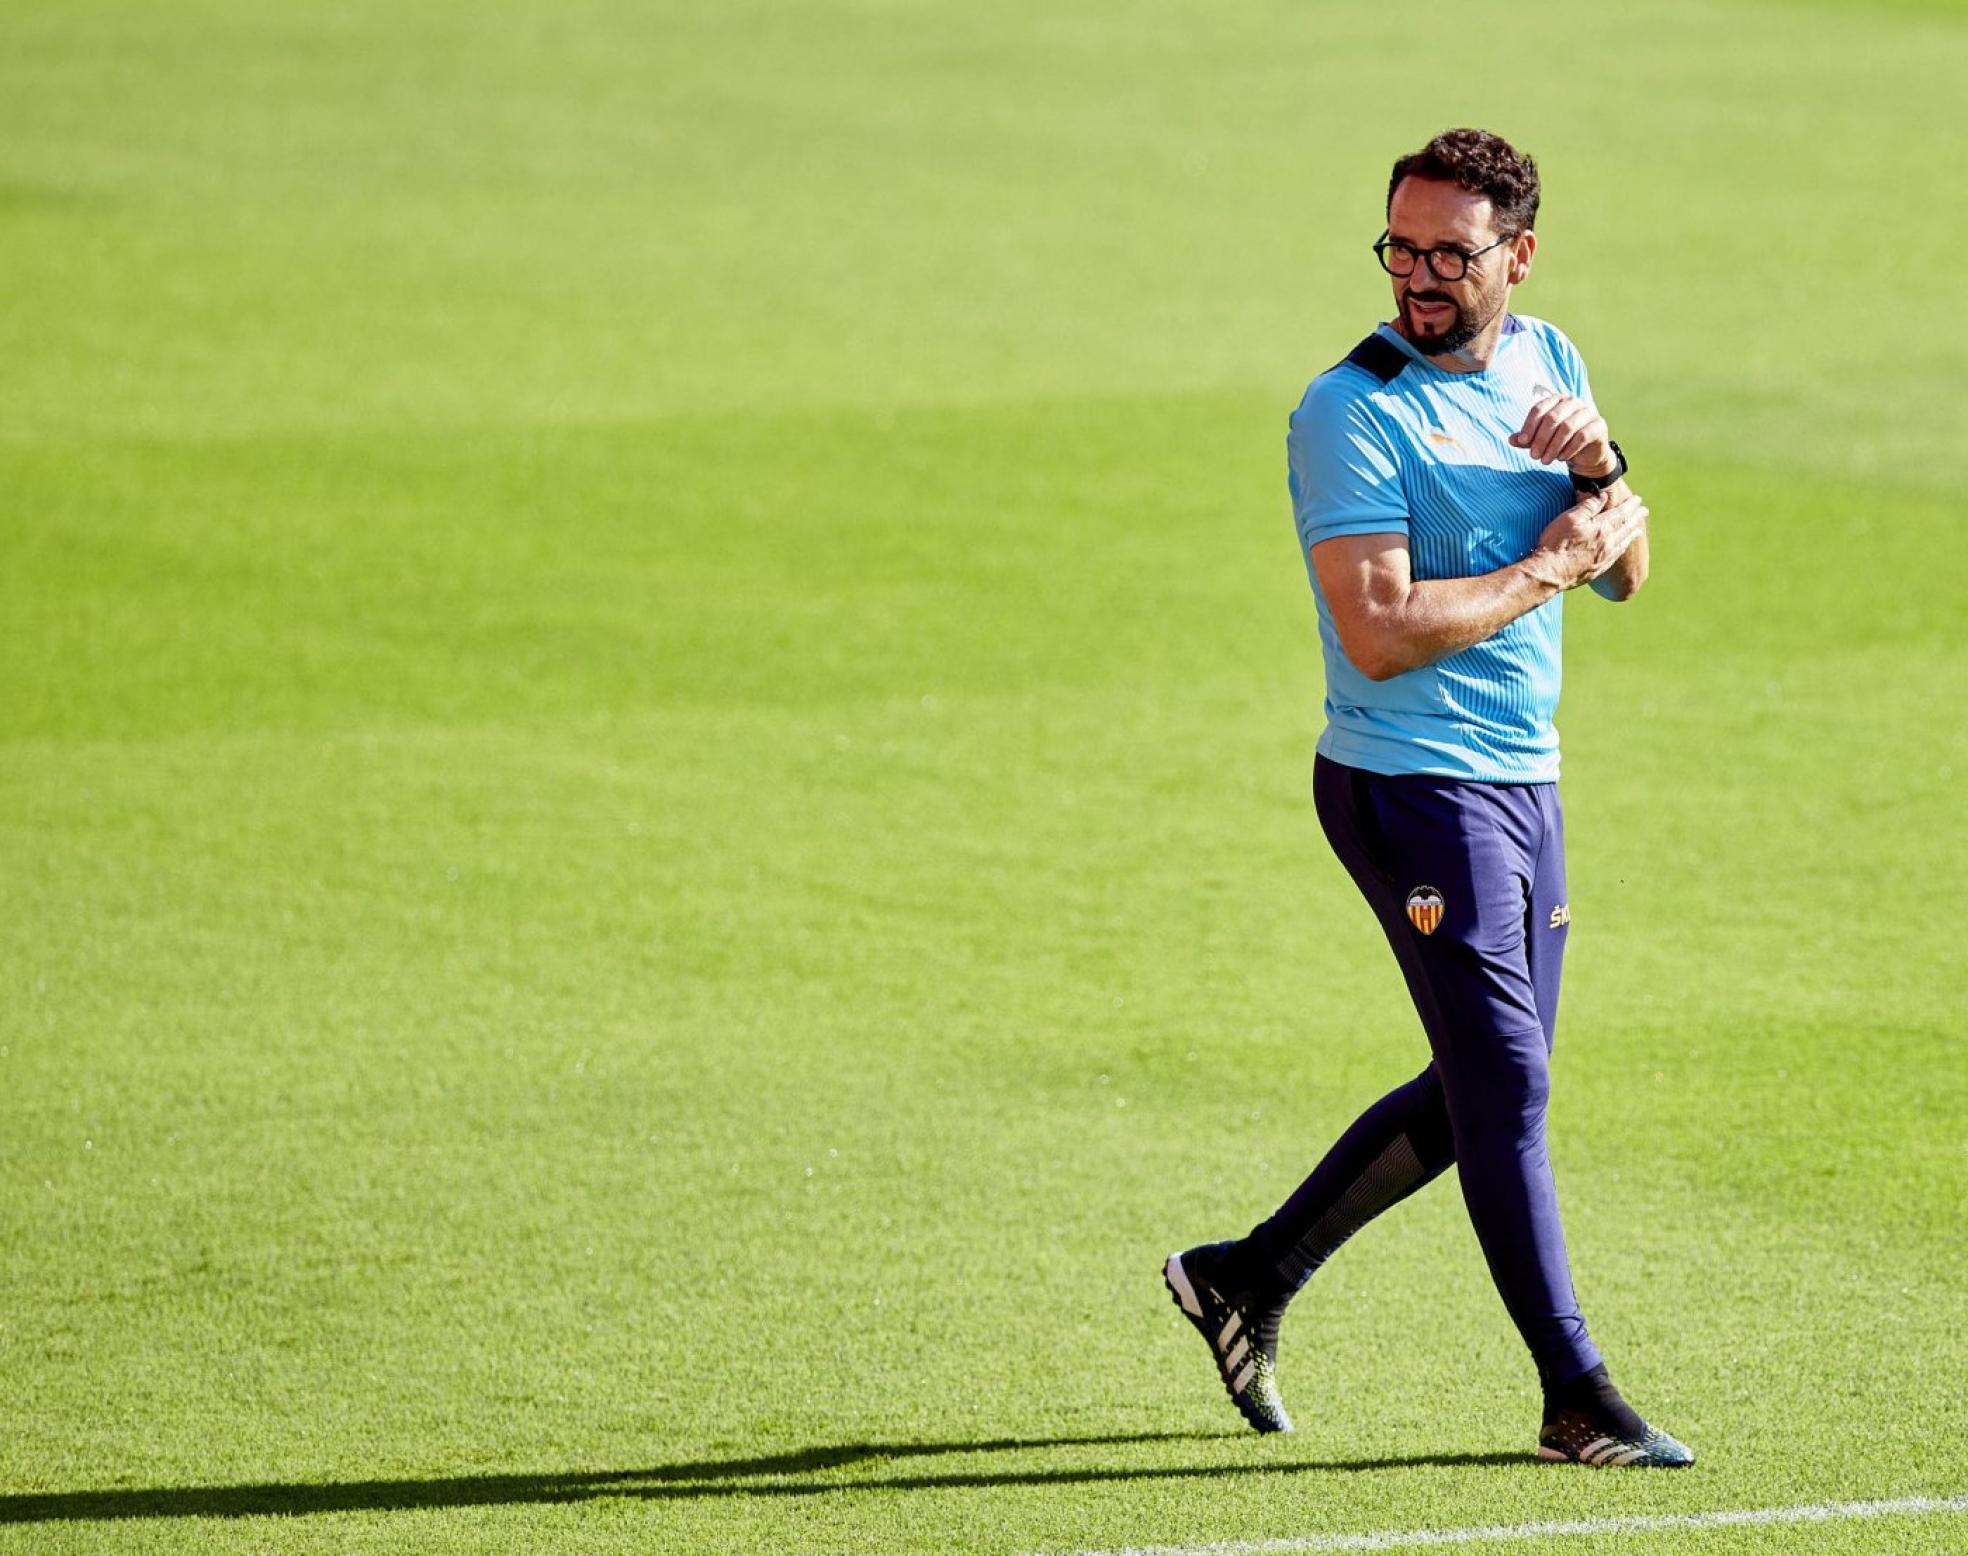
{"type": "Point", "coordinates": [1598, 483]}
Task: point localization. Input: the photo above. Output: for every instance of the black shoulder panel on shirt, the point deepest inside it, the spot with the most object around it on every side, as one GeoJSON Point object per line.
{"type": "Point", "coordinates": [1379, 356]}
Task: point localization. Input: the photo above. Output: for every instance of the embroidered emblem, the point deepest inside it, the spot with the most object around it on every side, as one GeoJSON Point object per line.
{"type": "Point", "coordinates": [1425, 908]}
{"type": "Point", "coordinates": [1561, 915]}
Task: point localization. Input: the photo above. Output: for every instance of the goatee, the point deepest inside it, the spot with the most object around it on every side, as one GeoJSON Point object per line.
{"type": "Point", "coordinates": [1458, 334]}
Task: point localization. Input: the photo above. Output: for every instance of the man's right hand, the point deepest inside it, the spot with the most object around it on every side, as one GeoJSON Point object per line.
{"type": "Point", "coordinates": [1588, 537]}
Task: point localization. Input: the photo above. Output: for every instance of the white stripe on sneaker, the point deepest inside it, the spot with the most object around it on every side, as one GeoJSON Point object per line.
{"type": "Point", "coordinates": [1237, 1352]}
{"type": "Point", "coordinates": [1243, 1375]}
{"type": "Point", "coordinates": [1229, 1328]}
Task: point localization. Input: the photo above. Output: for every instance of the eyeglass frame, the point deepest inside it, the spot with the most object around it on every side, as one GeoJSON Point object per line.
{"type": "Point", "coordinates": [1427, 256]}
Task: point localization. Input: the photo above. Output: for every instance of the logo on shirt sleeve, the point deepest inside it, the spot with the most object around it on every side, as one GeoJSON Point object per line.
{"type": "Point", "coordinates": [1425, 908]}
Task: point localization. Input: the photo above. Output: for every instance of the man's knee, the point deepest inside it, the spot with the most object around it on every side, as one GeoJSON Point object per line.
{"type": "Point", "coordinates": [1498, 1081]}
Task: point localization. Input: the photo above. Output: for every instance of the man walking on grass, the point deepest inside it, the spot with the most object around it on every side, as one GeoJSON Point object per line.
{"type": "Point", "coordinates": [1451, 481]}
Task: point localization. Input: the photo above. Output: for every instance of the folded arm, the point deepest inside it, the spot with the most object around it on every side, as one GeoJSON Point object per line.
{"type": "Point", "coordinates": [1389, 623]}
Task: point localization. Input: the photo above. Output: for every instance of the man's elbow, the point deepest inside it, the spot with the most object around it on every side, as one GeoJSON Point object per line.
{"type": "Point", "coordinates": [1373, 655]}
{"type": "Point", "coordinates": [1620, 586]}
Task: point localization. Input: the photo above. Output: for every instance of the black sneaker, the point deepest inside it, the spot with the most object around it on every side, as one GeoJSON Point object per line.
{"type": "Point", "coordinates": [1569, 1437]}
{"type": "Point", "coordinates": [1242, 1336]}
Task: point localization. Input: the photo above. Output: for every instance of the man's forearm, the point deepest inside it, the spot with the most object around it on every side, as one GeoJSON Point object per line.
{"type": "Point", "coordinates": [1441, 616]}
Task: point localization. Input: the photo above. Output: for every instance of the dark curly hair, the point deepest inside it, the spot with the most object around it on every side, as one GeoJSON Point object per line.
{"type": "Point", "coordinates": [1484, 164]}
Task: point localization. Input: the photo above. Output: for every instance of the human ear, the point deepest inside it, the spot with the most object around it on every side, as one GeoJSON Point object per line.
{"type": "Point", "coordinates": [1521, 250]}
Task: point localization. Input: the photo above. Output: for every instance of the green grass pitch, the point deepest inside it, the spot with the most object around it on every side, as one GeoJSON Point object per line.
{"type": "Point", "coordinates": [655, 720]}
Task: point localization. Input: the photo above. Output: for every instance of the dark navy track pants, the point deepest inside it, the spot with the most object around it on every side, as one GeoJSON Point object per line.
{"type": "Point", "coordinates": [1468, 883]}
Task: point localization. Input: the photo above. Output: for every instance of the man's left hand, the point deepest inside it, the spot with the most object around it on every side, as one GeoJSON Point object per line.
{"type": "Point", "coordinates": [1559, 427]}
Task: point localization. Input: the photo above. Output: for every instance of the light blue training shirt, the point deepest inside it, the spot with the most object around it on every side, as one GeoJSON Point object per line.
{"type": "Point", "coordinates": [1386, 442]}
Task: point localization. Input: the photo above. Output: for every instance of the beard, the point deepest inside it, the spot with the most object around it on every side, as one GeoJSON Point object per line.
{"type": "Point", "coordinates": [1461, 330]}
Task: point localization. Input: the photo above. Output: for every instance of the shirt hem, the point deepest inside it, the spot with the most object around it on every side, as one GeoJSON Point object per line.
{"type": "Point", "coordinates": [1408, 760]}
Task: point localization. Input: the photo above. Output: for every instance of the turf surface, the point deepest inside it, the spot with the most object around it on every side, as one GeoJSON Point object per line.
{"type": "Point", "coordinates": [653, 805]}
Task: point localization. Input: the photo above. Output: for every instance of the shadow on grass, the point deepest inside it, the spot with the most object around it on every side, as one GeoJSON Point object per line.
{"type": "Point", "coordinates": [773, 1475]}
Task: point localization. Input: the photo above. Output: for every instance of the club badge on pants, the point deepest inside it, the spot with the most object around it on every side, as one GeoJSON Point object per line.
{"type": "Point", "coordinates": [1425, 908]}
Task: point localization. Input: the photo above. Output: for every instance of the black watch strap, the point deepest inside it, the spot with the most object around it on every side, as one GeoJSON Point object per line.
{"type": "Point", "coordinates": [1598, 483]}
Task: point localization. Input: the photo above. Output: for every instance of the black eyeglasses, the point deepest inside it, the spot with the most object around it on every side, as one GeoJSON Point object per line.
{"type": "Point", "coordinates": [1447, 264]}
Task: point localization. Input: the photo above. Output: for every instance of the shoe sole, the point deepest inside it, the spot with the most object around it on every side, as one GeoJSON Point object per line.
{"type": "Point", "coordinates": [1559, 1456]}
{"type": "Point", "coordinates": [1176, 1278]}
{"type": "Point", "coordinates": [1182, 1292]}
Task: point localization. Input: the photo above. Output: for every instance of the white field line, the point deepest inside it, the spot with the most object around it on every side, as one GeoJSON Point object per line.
{"type": "Point", "coordinates": [1410, 1539]}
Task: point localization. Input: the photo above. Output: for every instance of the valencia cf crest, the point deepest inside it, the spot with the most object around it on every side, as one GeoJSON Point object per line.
{"type": "Point", "coordinates": [1425, 908]}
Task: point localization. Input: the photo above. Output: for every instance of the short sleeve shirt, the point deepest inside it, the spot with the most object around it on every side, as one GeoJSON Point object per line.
{"type": "Point", "coordinates": [1405, 447]}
